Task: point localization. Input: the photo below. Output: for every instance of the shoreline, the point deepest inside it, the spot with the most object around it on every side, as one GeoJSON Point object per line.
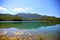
{"type": "Point", "coordinates": [26, 21]}
{"type": "Point", "coordinates": [23, 21]}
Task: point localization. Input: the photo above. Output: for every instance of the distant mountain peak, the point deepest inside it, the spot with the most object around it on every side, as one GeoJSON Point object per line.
{"type": "Point", "coordinates": [29, 15]}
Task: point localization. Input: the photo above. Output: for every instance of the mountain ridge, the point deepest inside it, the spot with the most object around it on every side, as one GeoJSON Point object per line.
{"type": "Point", "coordinates": [27, 17]}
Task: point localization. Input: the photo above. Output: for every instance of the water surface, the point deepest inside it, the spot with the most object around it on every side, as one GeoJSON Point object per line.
{"type": "Point", "coordinates": [48, 30]}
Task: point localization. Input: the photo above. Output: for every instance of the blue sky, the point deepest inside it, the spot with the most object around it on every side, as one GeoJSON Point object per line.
{"type": "Point", "coordinates": [42, 7]}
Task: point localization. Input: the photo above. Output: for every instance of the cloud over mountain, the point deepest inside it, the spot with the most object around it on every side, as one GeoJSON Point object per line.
{"type": "Point", "coordinates": [22, 9]}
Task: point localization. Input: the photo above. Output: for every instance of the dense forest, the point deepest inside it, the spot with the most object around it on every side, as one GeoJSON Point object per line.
{"type": "Point", "coordinates": [8, 17]}
{"type": "Point", "coordinates": [48, 18]}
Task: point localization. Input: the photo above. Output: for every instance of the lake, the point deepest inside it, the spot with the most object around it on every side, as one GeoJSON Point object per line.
{"type": "Point", "coordinates": [29, 30]}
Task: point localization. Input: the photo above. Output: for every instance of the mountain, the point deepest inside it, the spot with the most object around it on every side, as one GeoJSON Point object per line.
{"type": "Point", "coordinates": [29, 15]}
{"type": "Point", "coordinates": [37, 17]}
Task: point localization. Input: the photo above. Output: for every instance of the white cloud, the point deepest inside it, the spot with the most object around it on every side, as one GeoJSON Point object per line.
{"type": "Point", "coordinates": [3, 9]}
{"type": "Point", "coordinates": [19, 9]}
{"type": "Point", "coordinates": [22, 9]}
{"type": "Point", "coordinates": [29, 9]}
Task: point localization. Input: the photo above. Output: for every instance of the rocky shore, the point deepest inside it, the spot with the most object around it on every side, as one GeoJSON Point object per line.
{"type": "Point", "coordinates": [28, 37]}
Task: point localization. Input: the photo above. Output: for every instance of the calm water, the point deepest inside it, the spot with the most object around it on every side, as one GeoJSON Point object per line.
{"type": "Point", "coordinates": [30, 28]}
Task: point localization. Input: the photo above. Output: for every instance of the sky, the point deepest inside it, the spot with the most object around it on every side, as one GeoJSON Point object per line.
{"type": "Point", "coordinates": [42, 7]}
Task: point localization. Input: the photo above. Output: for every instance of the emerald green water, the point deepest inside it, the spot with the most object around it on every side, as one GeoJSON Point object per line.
{"type": "Point", "coordinates": [25, 25]}
{"type": "Point", "coordinates": [30, 28]}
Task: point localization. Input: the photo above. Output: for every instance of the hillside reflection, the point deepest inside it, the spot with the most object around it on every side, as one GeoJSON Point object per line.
{"type": "Point", "coordinates": [26, 25]}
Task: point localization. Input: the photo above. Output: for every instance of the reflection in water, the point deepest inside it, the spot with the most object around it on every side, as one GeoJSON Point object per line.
{"type": "Point", "coordinates": [33, 30]}
{"type": "Point", "coordinates": [25, 25]}
{"type": "Point", "coordinates": [44, 30]}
